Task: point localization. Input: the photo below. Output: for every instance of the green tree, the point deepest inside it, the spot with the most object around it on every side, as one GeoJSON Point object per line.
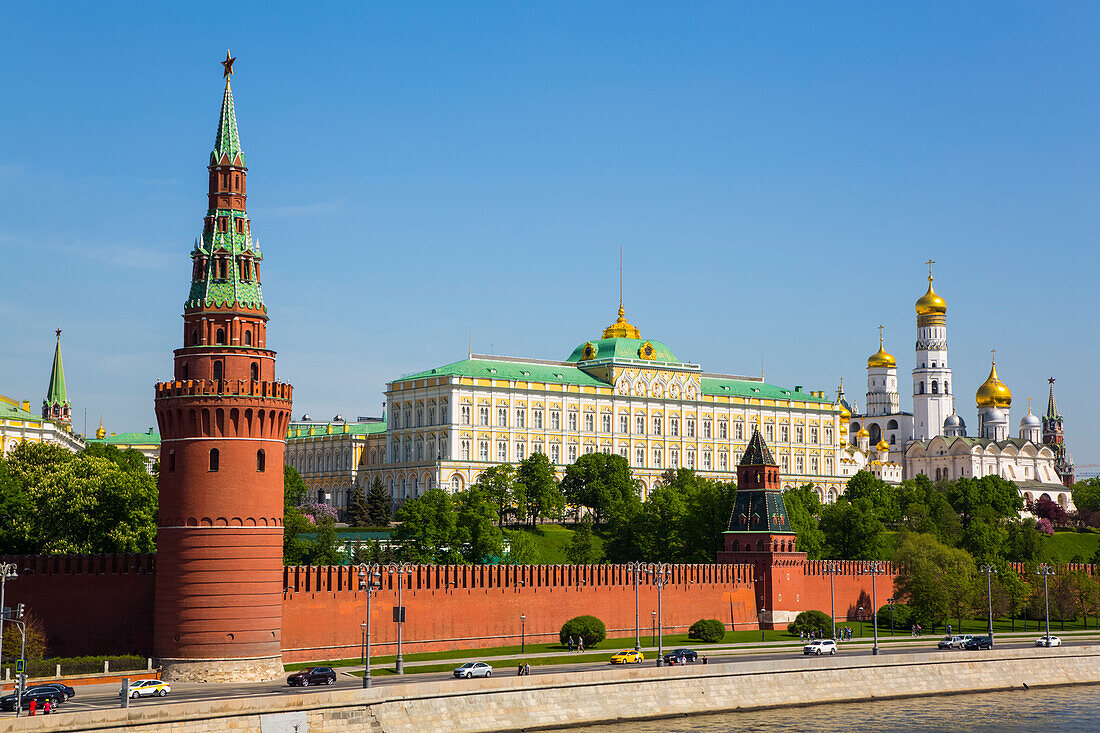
{"type": "Point", "coordinates": [976, 496]}
{"type": "Point", "coordinates": [358, 511]}
{"type": "Point", "coordinates": [78, 503]}
{"type": "Point", "coordinates": [1086, 495]}
{"type": "Point", "coordinates": [851, 531]}
{"type": "Point", "coordinates": [936, 580]}
{"type": "Point", "coordinates": [17, 527]}
{"type": "Point", "coordinates": [325, 548]}
{"type": "Point", "coordinates": [582, 550]}
{"type": "Point", "coordinates": [803, 506]}
{"type": "Point", "coordinates": [295, 548]}
{"type": "Point", "coordinates": [882, 496]}
{"type": "Point", "coordinates": [427, 530]}
{"type": "Point", "coordinates": [1024, 542]}
{"type": "Point", "coordinates": [478, 537]}
{"type": "Point", "coordinates": [601, 482]}
{"type": "Point", "coordinates": [658, 528]}
{"type": "Point", "coordinates": [541, 490]}
{"type": "Point", "coordinates": [128, 460]}
{"type": "Point", "coordinates": [379, 504]}
{"type": "Point", "coordinates": [707, 516]}
{"type": "Point", "coordinates": [498, 485]}
{"type": "Point", "coordinates": [521, 548]}
{"type": "Point", "coordinates": [985, 539]}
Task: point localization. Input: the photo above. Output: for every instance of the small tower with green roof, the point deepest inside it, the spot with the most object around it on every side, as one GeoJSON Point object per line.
{"type": "Point", "coordinates": [760, 534]}
{"type": "Point", "coordinates": [56, 407]}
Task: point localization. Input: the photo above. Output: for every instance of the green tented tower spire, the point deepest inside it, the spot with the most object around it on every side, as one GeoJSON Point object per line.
{"type": "Point", "coordinates": [56, 407]}
{"type": "Point", "coordinates": [226, 259]}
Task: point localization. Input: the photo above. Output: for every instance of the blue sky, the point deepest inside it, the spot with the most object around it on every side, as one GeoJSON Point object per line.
{"type": "Point", "coordinates": [777, 174]}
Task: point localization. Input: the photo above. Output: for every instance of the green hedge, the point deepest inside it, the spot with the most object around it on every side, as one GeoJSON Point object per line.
{"type": "Point", "coordinates": [79, 665]}
{"type": "Point", "coordinates": [589, 628]}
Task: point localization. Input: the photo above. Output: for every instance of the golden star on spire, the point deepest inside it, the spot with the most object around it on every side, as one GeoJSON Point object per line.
{"type": "Point", "coordinates": [228, 64]}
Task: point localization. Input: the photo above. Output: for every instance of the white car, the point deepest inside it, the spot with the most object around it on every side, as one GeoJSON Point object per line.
{"type": "Point", "coordinates": [819, 647]}
{"type": "Point", "coordinates": [1048, 641]}
{"type": "Point", "coordinates": [474, 669]}
{"type": "Point", "coordinates": [148, 688]}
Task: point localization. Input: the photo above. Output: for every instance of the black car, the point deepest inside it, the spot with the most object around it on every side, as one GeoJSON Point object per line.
{"type": "Point", "coordinates": [688, 655]}
{"type": "Point", "coordinates": [312, 676]}
{"type": "Point", "coordinates": [38, 694]}
{"type": "Point", "coordinates": [978, 642]}
{"type": "Point", "coordinates": [65, 690]}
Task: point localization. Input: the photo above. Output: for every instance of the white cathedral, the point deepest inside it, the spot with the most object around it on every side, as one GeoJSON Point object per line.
{"type": "Point", "coordinates": [932, 439]}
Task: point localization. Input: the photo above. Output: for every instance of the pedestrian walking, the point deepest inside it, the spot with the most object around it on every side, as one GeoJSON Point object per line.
{"type": "Point", "coordinates": [46, 708]}
{"type": "Point", "coordinates": [570, 643]}
{"type": "Point", "coordinates": [526, 668]}
{"type": "Point", "coordinates": [705, 660]}
{"type": "Point", "coordinates": [949, 629]}
{"type": "Point", "coordinates": [33, 708]}
{"type": "Point", "coordinates": [580, 643]}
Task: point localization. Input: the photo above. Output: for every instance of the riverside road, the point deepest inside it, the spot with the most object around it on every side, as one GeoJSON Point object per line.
{"type": "Point", "coordinates": [90, 697]}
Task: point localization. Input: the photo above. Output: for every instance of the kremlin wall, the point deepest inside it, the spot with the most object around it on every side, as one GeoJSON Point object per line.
{"type": "Point", "coordinates": [97, 604]}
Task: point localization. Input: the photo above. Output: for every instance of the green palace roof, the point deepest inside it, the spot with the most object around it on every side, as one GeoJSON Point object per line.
{"type": "Point", "coordinates": [749, 388]}
{"type": "Point", "coordinates": [623, 348]}
{"type": "Point", "coordinates": [149, 437]}
{"type": "Point", "coordinates": [11, 410]}
{"type": "Point", "coordinates": [513, 370]}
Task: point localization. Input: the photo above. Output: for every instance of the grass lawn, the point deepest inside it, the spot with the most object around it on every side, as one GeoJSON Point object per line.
{"type": "Point", "coordinates": [553, 540]}
{"type": "Point", "coordinates": [1064, 546]}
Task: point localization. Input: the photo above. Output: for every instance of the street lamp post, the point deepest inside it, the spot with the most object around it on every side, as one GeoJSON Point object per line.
{"type": "Point", "coordinates": [368, 583]}
{"type": "Point", "coordinates": [400, 569]}
{"type": "Point", "coordinates": [1046, 571]}
{"type": "Point", "coordinates": [859, 612]}
{"type": "Point", "coordinates": [523, 633]}
{"type": "Point", "coordinates": [891, 601]}
{"type": "Point", "coordinates": [762, 612]}
{"type": "Point", "coordinates": [659, 573]}
{"type": "Point", "coordinates": [7, 570]}
{"type": "Point", "coordinates": [831, 568]}
{"type": "Point", "coordinates": [989, 571]}
{"type": "Point", "coordinates": [874, 568]}
{"type": "Point", "coordinates": [635, 569]}
{"type": "Point", "coordinates": [653, 627]}
{"type": "Point", "coordinates": [363, 644]}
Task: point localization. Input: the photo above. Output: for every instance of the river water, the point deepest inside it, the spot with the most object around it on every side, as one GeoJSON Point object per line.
{"type": "Point", "coordinates": [1061, 709]}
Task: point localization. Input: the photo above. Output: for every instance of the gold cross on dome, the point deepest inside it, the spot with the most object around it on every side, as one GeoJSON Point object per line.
{"type": "Point", "coordinates": [930, 263]}
{"type": "Point", "coordinates": [228, 64]}
{"type": "Point", "coordinates": [880, 334]}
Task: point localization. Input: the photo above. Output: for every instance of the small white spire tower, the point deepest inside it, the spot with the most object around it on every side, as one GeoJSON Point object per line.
{"type": "Point", "coordinates": [932, 395]}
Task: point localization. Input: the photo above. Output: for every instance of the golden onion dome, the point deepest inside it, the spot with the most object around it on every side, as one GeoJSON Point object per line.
{"type": "Point", "coordinates": [993, 392]}
{"type": "Point", "coordinates": [931, 303]}
{"type": "Point", "coordinates": [881, 359]}
{"type": "Point", "coordinates": [863, 433]}
{"type": "Point", "coordinates": [883, 446]}
{"type": "Point", "coordinates": [845, 413]}
{"type": "Point", "coordinates": [100, 432]}
{"type": "Point", "coordinates": [622, 328]}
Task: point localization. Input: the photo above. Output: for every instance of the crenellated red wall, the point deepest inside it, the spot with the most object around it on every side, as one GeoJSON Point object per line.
{"type": "Point", "coordinates": [89, 604]}
{"type": "Point", "coordinates": [449, 607]}
{"type": "Point", "coordinates": [103, 604]}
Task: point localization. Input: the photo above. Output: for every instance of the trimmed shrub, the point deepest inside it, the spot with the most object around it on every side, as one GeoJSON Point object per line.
{"type": "Point", "coordinates": [79, 665]}
{"type": "Point", "coordinates": [815, 621]}
{"type": "Point", "coordinates": [902, 617]}
{"type": "Point", "coordinates": [589, 628]}
{"type": "Point", "coordinates": [708, 630]}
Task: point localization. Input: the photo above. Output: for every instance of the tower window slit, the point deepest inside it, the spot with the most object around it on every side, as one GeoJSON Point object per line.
{"type": "Point", "coordinates": [214, 458]}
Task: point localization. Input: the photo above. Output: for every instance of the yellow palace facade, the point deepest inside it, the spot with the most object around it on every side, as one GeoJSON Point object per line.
{"type": "Point", "coordinates": [619, 394]}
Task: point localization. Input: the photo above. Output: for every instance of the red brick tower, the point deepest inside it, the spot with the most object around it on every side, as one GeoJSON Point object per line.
{"type": "Point", "coordinates": [760, 533]}
{"type": "Point", "coordinates": [1055, 438]}
{"type": "Point", "coordinates": [223, 420]}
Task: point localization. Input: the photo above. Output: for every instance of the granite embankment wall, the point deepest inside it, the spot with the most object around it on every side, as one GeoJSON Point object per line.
{"type": "Point", "coordinates": [568, 700]}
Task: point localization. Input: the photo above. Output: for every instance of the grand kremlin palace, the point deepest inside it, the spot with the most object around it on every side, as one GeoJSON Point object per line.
{"type": "Point", "coordinates": [618, 394]}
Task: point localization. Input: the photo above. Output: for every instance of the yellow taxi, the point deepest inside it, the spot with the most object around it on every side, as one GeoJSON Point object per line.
{"type": "Point", "coordinates": [628, 656]}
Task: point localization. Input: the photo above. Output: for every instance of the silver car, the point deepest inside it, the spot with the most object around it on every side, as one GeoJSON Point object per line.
{"type": "Point", "coordinates": [473, 669]}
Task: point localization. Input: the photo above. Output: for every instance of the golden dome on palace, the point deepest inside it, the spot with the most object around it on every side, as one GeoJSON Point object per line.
{"type": "Point", "coordinates": [931, 303]}
{"type": "Point", "coordinates": [993, 392]}
{"type": "Point", "coordinates": [845, 413]}
{"type": "Point", "coordinates": [883, 446]}
{"type": "Point", "coordinates": [621, 328]}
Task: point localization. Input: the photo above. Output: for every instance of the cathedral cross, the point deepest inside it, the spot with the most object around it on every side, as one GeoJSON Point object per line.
{"type": "Point", "coordinates": [930, 263]}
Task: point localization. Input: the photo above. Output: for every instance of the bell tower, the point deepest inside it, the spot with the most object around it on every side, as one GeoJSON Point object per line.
{"type": "Point", "coordinates": [223, 419]}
